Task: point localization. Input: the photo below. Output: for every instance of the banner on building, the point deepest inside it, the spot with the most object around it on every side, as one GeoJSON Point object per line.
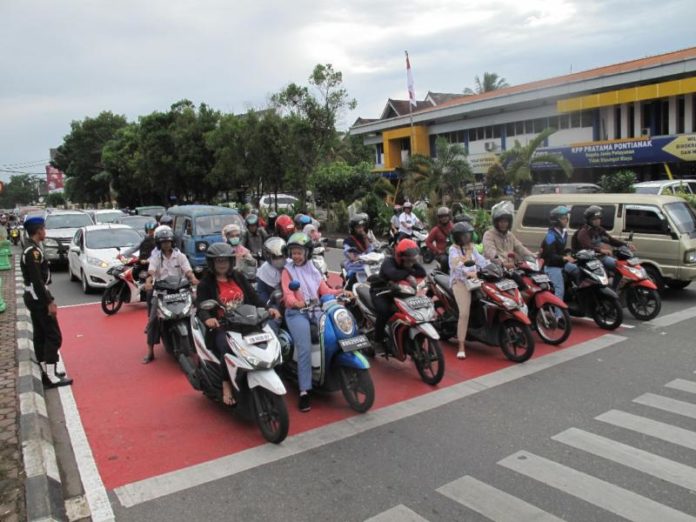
{"type": "Point", "coordinates": [54, 179]}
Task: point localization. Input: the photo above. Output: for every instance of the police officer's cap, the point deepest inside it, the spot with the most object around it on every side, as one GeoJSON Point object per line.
{"type": "Point", "coordinates": [33, 223]}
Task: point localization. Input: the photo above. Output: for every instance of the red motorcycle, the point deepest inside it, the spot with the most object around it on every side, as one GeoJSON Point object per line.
{"type": "Point", "coordinates": [636, 290]}
{"type": "Point", "coordinates": [410, 329]}
{"type": "Point", "coordinates": [124, 288]}
{"type": "Point", "coordinates": [548, 314]}
{"type": "Point", "coordinates": [498, 314]}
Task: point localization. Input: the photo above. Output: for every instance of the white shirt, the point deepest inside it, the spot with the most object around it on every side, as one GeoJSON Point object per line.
{"type": "Point", "coordinates": [407, 221]}
{"type": "Point", "coordinates": [161, 267]}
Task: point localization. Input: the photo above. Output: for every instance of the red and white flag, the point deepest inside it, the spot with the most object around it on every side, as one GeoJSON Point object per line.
{"type": "Point", "coordinates": [409, 81]}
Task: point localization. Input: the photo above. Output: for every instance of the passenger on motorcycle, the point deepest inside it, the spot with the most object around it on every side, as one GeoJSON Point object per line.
{"type": "Point", "coordinates": [499, 242]}
{"type": "Point", "coordinates": [269, 273]}
{"type": "Point", "coordinates": [166, 220]}
{"type": "Point", "coordinates": [270, 223]}
{"type": "Point", "coordinates": [314, 234]}
{"type": "Point", "coordinates": [255, 236]}
{"type": "Point", "coordinates": [356, 244]}
{"type": "Point", "coordinates": [301, 221]}
{"type": "Point", "coordinates": [165, 261]}
{"type": "Point", "coordinates": [229, 288]}
{"type": "Point", "coordinates": [300, 268]}
{"type": "Point", "coordinates": [144, 249]}
{"type": "Point", "coordinates": [232, 235]}
{"type": "Point", "coordinates": [284, 226]}
{"type": "Point", "coordinates": [460, 253]}
{"type": "Point", "coordinates": [554, 251]}
{"type": "Point", "coordinates": [404, 265]}
{"type": "Point", "coordinates": [407, 222]}
{"type": "Point", "coordinates": [439, 237]}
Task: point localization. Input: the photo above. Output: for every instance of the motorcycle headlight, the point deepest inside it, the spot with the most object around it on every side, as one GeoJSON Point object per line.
{"type": "Point", "coordinates": [201, 246]}
{"type": "Point", "coordinates": [690, 256]}
{"type": "Point", "coordinates": [638, 272]}
{"type": "Point", "coordinates": [508, 303]}
{"type": "Point", "coordinates": [250, 358]}
{"type": "Point", "coordinates": [344, 321]}
{"type": "Point", "coordinates": [94, 261]}
{"type": "Point", "coordinates": [50, 243]}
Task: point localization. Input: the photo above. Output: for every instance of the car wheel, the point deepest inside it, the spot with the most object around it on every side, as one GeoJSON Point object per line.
{"type": "Point", "coordinates": [86, 288]}
{"type": "Point", "coordinates": [73, 277]}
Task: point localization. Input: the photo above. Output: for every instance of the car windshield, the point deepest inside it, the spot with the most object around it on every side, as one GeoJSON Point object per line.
{"type": "Point", "coordinates": [647, 190]}
{"type": "Point", "coordinates": [67, 221]}
{"type": "Point", "coordinates": [112, 238]}
{"type": "Point", "coordinates": [207, 225]}
{"type": "Point", "coordinates": [683, 217]}
{"type": "Point", "coordinates": [107, 217]}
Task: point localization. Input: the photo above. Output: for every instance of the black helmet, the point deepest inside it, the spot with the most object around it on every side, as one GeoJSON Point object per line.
{"type": "Point", "coordinates": [593, 211]}
{"type": "Point", "coordinates": [358, 220]}
{"type": "Point", "coordinates": [460, 231]}
{"type": "Point", "coordinates": [502, 210]}
{"type": "Point", "coordinates": [218, 251]}
{"type": "Point", "coordinates": [463, 218]}
{"type": "Point", "coordinates": [299, 239]}
{"type": "Point", "coordinates": [163, 233]}
{"type": "Point", "coordinates": [557, 213]}
{"type": "Point", "coordinates": [166, 220]}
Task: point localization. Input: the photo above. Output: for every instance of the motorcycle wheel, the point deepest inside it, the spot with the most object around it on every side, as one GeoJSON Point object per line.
{"type": "Point", "coordinates": [516, 341]}
{"type": "Point", "coordinates": [607, 313]}
{"type": "Point", "coordinates": [552, 329]}
{"type": "Point", "coordinates": [357, 388]}
{"type": "Point", "coordinates": [643, 303]}
{"type": "Point", "coordinates": [271, 415]}
{"type": "Point", "coordinates": [428, 256]}
{"type": "Point", "coordinates": [427, 355]}
{"type": "Point", "coordinates": [111, 301]}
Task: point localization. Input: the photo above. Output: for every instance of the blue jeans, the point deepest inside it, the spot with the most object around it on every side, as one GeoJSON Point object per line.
{"type": "Point", "coordinates": [555, 274]}
{"type": "Point", "coordinates": [298, 324]}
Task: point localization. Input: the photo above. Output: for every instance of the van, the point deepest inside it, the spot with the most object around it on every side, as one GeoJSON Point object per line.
{"type": "Point", "coordinates": [196, 227]}
{"type": "Point", "coordinates": [663, 227]}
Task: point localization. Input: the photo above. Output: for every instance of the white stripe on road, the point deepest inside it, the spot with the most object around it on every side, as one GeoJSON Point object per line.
{"type": "Point", "coordinates": [179, 480]}
{"type": "Point", "coordinates": [80, 304]}
{"type": "Point", "coordinates": [493, 503]}
{"type": "Point", "coordinates": [638, 459]}
{"type": "Point", "coordinates": [682, 385]}
{"type": "Point", "coordinates": [659, 430]}
{"type": "Point", "coordinates": [673, 318]}
{"type": "Point", "coordinates": [599, 492]}
{"type": "Point", "coordinates": [687, 409]}
{"type": "Point", "coordinates": [398, 513]}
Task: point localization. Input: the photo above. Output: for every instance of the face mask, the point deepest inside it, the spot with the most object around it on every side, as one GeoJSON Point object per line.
{"type": "Point", "coordinates": [234, 241]}
{"type": "Point", "coordinates": [278, 263]}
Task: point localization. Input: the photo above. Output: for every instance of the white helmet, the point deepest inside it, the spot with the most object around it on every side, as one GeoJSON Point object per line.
{"type": "Point", "coordinates": [231, 228]}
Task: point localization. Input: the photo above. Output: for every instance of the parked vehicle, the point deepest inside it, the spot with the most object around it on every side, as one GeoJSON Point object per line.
{"type": "Point", "coordinates": [635, 288]}
{"type": "Point", "coordinates": [124, 287]}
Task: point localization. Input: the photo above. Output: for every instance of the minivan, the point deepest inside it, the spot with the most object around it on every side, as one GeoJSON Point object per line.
{"type": "Point", "coordinates": [196, 227]}
{"type": "Point", "coordinates": [663, 228]}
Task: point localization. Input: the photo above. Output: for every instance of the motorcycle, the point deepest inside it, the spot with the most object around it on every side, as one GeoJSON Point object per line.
{"type": "Point", "coordinates": [173, 297]}
{"type": "Point", "coordinates": [319, 260]}
{"type": "Point", "coordinates": [14, 235]}
{"type": "Point", "coordinates": [635, 288]}
{"type": "Point", "coordinates": [123, 288]}
{"type": "Point", "coordinates": [419, 236]}
{"type": "Point", "coordinates": [336, 359]}
{"type": "Point", "coordinates": [591, 295]}
{"type": "Point", "coordinates": [498, 316]}
{"type": "Point", "coordinates": [410, 331]}
{"type": "Point", "coordinates": [251, 356]}
{"type": "Point", "coordinates": [548, 314]}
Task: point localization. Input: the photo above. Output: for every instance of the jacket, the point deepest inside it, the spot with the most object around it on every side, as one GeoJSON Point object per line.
{"type": "Point", "coordinates": [553, 248]}
{"type": "Point", "coordinates": [497, 246]}
{"type": "Point", "coordinates": [208, 289]}
{"type": "Point", "coordinates": [36, 276]}
{"type": "Point", "coordinates": [593, 238]}
{"type": "Point", "coordinates": [438, 238]}
{"type": "Point", "coordinates": [392, 272]}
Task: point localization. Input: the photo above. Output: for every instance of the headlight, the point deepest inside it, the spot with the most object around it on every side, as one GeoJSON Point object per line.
{"type": "Point", "coordinates": [201, 246]}
{"type": "Point", "coordinates": [690, 256]}
{"type": "Point", "coordinates": [50, 243]}
{"type": "Point", "coordinates": [508, 303]}
{"type": "Point", "coordinates": [97, 262]}
{"type": "Point", "coordinates": [344, 321]}
{"type": "Point", "coordinates": [638, 272]}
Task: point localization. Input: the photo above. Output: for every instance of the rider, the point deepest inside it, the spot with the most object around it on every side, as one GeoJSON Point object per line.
{"type": "Point", "coordinates": [164, 261]}
{"type": "Point", "coordinates": [166, 220]}
{"type": "Point", "coordinates": [145, 248]}
{"type": "Point", "coordinates": [438, 238]}
{"type": "Point", "coordinates": [460, 252]}
{"type": "Point", "coordinates": [499, 242]}
{"type": "Point", "coordinates": [301, 221]}
{"type": "Point", "coordinates": [407, 222]}
{"type": "Point", "coordinates": [230, 288]}
{"type": "Point", "coordinates": [284, 226]}
{"type": "Point", "coordinates": [354, 245]}
{"type": "Point", "coordinates": [554, 250]}
{"type": "Point", "coordinates": [270, 224]}
{"type": "Point", "coordinates": [255, 236]}
{"type": "Point", "coordinates": [394, 224]}
{"type": "Point", "coordinates": [300, 268]}
{"type": "Point", "coordinates": [268, 274]}
{"type": "Point", "coordinates": [404, 265]}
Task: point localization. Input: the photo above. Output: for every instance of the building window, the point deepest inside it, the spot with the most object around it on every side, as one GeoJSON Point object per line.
{"type": "Point", "coordinates": [617, 122]}
{"type": "Point", "coordinates": [586, 118]}
{"type": "Point", "coordinates": [631, 121]}
{"type": "Point", "coordinates": [489, 132]}
{"type": "Point", "coordinates": [496, 131]}
{"type": "Point", "coordinates": [663, 127]}
{"type": "Point", "coordinates": [539, 125]}
{"type": "Point", "coordinates": [564, 121]}
{"type": "Point", "coordinates": [575, 119]}
{"type": "Point", "coordinates": [510, 129]}
{"type": "Point", "coordinates": [680, 115]}
{"type": "Point", "coordinates": [519, 128]}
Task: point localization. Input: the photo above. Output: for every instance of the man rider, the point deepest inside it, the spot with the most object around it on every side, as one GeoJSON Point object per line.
{"type": "Point", "coordinates": [354, 245]}
{"type": "Point", "coordinates": [438, 239]}
{"type": "Point", "coordinates": [407, 222]}
{"type": "Point", "coordinates": [554, 253]}
{"type": "Point", "coordinates": [394, 224]}
{"type": "Point", "coordinates": [593, 237]}
{"type": "Point", "coordinates": [144, 249]}
{"type": "Point", "coordinates": [499, 242]}
{"type": "Point", "coordinates": [255, 236]}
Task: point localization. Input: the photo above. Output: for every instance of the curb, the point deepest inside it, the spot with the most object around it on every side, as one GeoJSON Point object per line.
{"type": "Point", "coordinates": [334, 243]}
{"type": "Point", "coordinates": [43, 488]}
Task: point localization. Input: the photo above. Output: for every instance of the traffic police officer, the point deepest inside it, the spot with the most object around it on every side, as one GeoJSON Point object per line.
{"type": "Point", "coordinates": [41, 305]}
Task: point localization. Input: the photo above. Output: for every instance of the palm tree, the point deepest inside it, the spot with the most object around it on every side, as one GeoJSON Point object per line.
{"type": "Point", "coordinates": [514, 166]}
{"type": "Point", "coordinates": [491, 82]}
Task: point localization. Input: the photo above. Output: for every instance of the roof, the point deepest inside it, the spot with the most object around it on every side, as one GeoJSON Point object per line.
{"type": "Point", "coordinates": [660, 182]}
{"type": "Point", "coordinates": [438, 98]}
{"type": "Point", "coordinates": [106, 226]}
{"type": "Point", "coordinates": [200, 210]}
{"type": "Point", "coordinates": [401, 107]}
{"type": "Point", "coordinates": [637, 199]}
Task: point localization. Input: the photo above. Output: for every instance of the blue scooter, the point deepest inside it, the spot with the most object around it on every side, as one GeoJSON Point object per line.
{"type": "Point", "coordinates": [336, 359]}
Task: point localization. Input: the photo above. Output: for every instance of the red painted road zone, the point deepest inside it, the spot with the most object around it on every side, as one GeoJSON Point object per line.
{"type": "Point", "coordinates": [145, 420]}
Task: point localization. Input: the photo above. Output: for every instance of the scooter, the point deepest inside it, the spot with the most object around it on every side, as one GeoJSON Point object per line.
{"type": "Point", "coordinates": [419, 236]}
{"type": "Point", "coordinates": [336, 359]}
{"type": "Point", "coordinates": [14, 235]}
{"type": "Point", "coordinates": [591, 296]}
{"type": "Point", "coordinates": [411, 331]}
{"type": "Point", "coordinates": [635, 288]}
{"type": "Point", "coordinates": [123, 288]}
{"type": "Point", "coordinates": [319, 260]}
{"type": "Point", "coordinates": [498, 316]}
{"type": "Point", "coordinates": [173, 298]}
{"type": "Point", "coordinates": [249, 362]}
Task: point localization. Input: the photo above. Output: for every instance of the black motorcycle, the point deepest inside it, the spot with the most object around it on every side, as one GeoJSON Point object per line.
{"type": "Point", "coordinates": [173, 298]}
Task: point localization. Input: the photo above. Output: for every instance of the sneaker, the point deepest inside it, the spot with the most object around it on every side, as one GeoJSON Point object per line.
{"type": "Point", "coordinates": [304, 403]}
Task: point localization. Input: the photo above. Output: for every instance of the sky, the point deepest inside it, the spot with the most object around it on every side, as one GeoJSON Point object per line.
{"type": "Point", "coordinates": [64, 61]}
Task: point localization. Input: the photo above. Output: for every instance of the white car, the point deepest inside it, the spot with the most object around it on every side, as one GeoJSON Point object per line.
{"type": "Point", "coordinates": [105, 215]}
{"type": "Point", "coordinates": [285, 203]}
{"type": "Point", "coordinates": [94, 249]}
{"type": "Point", "coordinates": [666, 187]}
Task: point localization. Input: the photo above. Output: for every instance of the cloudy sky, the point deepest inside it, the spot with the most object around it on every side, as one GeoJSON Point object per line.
{"type": "Point", "coordinates": [62, 61]}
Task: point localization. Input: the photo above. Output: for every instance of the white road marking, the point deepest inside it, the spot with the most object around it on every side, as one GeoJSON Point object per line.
{"type": "Point", "coordinates": [673, 318]}
{"type": "Point", "coordinates": [398, 513]}
{"type": "Point", "coordinates": [638, 459]}
{"type": "Point", "coordinates": [79, 304]}
{"type": "Point", "coordinates": [590, 320]}
{"type": "Point", "coordinates": [687, 409]}
{"type": "Point", "coordinates": [682, 385]}
{"type": "Point", "coordinates": [155, 487]}
{"type": "Point", "coordinates": [599, 492]}
{"type": "Point", "coordinates": [659, 430]}
{"type": "Point", "coordinates": [493, 503]}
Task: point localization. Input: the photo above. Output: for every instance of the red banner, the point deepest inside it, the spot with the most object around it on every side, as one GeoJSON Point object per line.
{"type": "Point", "coordinates": [54, 179]}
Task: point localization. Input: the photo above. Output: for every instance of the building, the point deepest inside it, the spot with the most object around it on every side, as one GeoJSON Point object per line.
{"type": "Point", "coordinates": [638, 115]}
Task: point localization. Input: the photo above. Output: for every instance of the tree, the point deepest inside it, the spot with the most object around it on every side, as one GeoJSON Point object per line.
{"type": "Point", "coordinates": [490, 82]}
{"type": "Point", "coordinates": [120, 160]}
{"type": "Point", "coordinates": [340, 181]}
{"type": "Point", "coordinates": [618, 182]}
{"type": "Point", "coordinates": [55, 199]}
{"type": "Point", "coordinates": [20, 190]}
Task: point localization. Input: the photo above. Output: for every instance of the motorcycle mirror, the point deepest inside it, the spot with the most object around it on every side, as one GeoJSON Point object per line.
{"type": "Point", "coordinates": [208, 305]}
{"type": "Point", "coordinates": [469, 263]}
{"type": "Point", "coordinates": [294, 285]}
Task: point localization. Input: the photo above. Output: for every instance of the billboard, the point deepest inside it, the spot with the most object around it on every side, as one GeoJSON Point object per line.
{"type": "Point", "coordinates": [54, 179]}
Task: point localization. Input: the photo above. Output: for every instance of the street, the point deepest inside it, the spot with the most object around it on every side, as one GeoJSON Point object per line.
{"type": "Point", "coordinates": [603, 428]}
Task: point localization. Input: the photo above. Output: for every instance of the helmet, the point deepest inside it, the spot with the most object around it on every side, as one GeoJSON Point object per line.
{"type": "Point", "coordinates": [272, 215]}
{"type": "Point", "coordinates": [299, 239]}
{"type": "Point", "coordinates": [406, 249]}
{"type": "Point", "coordinates": [358, 220]}
{"type": "Point", "coordinates": [219, 250]}
{"type": "Point", "coordinates": [230, 229]}
{"type": "Point", "coordinates": [460, 231]}
{"type": "Point", "coordinates": [150, 225]}
{"type": "Point", "coordinates": [274, 251]}
{"type": "Point", "coordinates": [163, 233]}
{"type": "Point", "coordinates": [443, 212]}
{"type": "Point", "coordinates": [502, 210]}
{"type": "Point", "coordinates": [166, 220]}
{"type": "Point", "coordinates": [284, 226]}
{"type": "Point", "coordinates": [255, 211]}
{"type": "Point", "coordinates": [309, 230]}
{"type": "Point", "coordinates": [463, 218]}
{"type": "Point", "coordinates": [252, 219]}
{"type": "Point", "coordinates": [593, 211]}
{"type": "Point", "coordinates": [302, 220]}
{"type": "Point", "coordinates": [408, 204]}
{"type": "Point", "coordinates": [557, 213]}
{"type": "Point", "coordinates": [397, 209]}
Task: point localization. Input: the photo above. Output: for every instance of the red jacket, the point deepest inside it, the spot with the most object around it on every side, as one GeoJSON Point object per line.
{"type": "Point", "coordinates": [437, 238]}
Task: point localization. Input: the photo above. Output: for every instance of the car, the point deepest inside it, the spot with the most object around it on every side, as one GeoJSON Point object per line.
{"type": "Point", "coordinates": [105, 215]}
{"type": "Point", "coordinates": [61, 226]}
{"type": "Point", "coordinates": [136, 222]}
{"type": "Point", "coordinates": [285, 203]}
{"type": "Point", "coordinates": [94, 249]}
{"type": "Point", "coordinates": [152, 210]}
{"type": "Point", "coordinates": [666, 187]}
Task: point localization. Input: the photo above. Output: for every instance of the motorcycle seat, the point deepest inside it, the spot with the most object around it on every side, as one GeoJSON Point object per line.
{"type": "Point", "coordinates": [443, 281]}
{"type": "Point", "coordinates": [364, 294]}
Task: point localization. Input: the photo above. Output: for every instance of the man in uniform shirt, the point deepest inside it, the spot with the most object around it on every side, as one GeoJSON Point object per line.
{"type": "Point", "coordinates": [407, 222]}
{"type": "Point", "coordinates": [41, 305]}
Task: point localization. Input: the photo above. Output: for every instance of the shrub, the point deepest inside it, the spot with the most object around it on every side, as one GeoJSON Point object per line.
{"type": "Point", "coordinates": [620, 182]}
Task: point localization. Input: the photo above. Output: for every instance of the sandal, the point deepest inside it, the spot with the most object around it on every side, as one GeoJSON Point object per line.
{"type": "Point", "coordinates": [461, 354]}
{"type": "Point", "coordinates": [148, 358]}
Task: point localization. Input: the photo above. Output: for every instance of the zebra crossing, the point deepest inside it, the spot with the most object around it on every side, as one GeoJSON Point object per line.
{"type": "Point", "coordinates": [497, 505]}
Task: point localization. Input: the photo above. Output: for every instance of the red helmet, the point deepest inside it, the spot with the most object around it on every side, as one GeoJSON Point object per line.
{"type": "Point", "coordinates": [406, 248]}
{"type": "Point", "coordinates": [284, 226]}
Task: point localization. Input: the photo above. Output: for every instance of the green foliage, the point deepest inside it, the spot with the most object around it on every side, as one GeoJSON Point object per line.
{"type": "Point", "coordinates": [339, 180]}
{"type": "Point", "coordinates": [620, 182]}
{"type": "Point", "coordinates": [688, 197]}
{"type": "Point", "coordinates": [490, 82]}
{"type": "Point", "coordinates": [337, 220]}
{"type": "Point", "coordinates": [55, 199]}
{"type": "Point", "coordinates": [20, 190]}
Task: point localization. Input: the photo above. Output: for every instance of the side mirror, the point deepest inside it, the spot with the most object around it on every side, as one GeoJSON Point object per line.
{"type": "Point", "coordinates": [75, 249]}
{"type": "Point", "coordinates": [294, 285]}
{"type": "Point", "coordinates": [208, 305]}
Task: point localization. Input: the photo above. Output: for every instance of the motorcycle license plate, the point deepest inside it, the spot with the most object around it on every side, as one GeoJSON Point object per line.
{"type": "Point", "coordinates": [418, 302]}
{"type": "Point", "coordinates": [594, 264]}
{"type": "Point", "coordinates": [359, 342]}
{"type": "Point", "coordinates": [174, 298]}
{"type": "Point", "coordinates": [540, 278]}
{"type": "Point", "coordinates": [258, 338]}
{"type": "Point", "coordinates": [506, 284]}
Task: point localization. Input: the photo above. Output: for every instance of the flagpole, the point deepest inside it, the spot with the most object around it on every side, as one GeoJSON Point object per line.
{"type": "Point", "coordinates": [411, 89]}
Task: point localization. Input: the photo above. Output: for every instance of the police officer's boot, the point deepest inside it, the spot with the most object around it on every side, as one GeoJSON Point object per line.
{"type": "Point", "coordinates": [51, 379]}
